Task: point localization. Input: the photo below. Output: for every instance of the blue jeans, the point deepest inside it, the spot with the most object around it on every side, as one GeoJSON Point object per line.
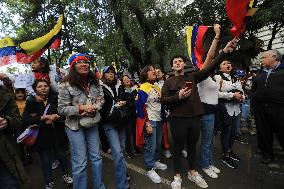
{"type": "Point", "coordinates": [7, 180]}
{"type": "Point", "coordinates": [153, 144]}
{"type": "Point", "coordinates": [85, 142]}
{"type": "Point", "coordinates": [246, 112]}
{"type": "Point", "coordinates": [206, 145]}
{"type": "Point", "coordinates": [116, 138]}
{"type": "Point", "coordinates": [228, 134]}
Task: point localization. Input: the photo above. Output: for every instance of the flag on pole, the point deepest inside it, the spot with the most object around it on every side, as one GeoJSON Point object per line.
{"type": "Point", "coordinates": [30, 50]}
{"type": "Point", "coordinates": [7, 51]}
{"type": "Point", "coordinates": [195, 35]}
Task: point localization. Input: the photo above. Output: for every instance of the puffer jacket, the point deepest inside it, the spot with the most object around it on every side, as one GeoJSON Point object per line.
{"type": "Point", "coordinates": [69, 99]}
{"type": "Point", "coordinates": [8, 148]}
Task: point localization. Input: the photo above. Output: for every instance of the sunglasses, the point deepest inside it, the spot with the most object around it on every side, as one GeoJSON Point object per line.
{"type": "Point", "coordinates": [82, 62]}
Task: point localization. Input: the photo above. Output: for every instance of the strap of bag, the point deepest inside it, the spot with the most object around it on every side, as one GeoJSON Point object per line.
{"type": "Point", "coordinates": [46, 109]}
{"type": "Point", "coordinates": [221, 84]}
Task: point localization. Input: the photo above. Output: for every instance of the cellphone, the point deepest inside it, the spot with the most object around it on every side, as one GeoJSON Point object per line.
{"type": "Point", "coordinates": [188, 85]}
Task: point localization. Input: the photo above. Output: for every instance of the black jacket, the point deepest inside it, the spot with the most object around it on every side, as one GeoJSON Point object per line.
{"type": "Point", "coordinates": [32, 113]}
{"type": "Point", "coordinates": [130, 102]}
{"type": "Point", "coordinates": [268, 90]}
{"type": "Point", "coordinates": [111, 97]}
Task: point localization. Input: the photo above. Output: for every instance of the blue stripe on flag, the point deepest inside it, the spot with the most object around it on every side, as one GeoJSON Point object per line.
{"type": "Point", "coordinates": [193, 43]}
{"type": "Point", "coordinates": [7, 51]}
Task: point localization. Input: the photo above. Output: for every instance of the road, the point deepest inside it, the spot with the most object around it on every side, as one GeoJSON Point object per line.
{"type": "Point", "coordinates": [228, 178]}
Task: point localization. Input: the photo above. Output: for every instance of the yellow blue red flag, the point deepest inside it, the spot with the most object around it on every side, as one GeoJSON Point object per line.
{"type": "Point", "coordinates": [195, 48]}
{"type": "Point", "coordinates": [7, 51]}
{"type": "Point", "coordinates": [30, 50]}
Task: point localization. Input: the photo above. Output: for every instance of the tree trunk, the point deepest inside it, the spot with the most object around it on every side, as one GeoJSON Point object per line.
{"type": "Point", "coordinates": [275, 29]}
{"type": "Point", "coordinates": [128, 42]}
{"type": "Point", "coordinates": [147, 32]}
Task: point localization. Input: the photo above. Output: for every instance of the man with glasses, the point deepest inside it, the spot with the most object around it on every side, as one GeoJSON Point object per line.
{"type": "Point", "coordinates": [267, 101]}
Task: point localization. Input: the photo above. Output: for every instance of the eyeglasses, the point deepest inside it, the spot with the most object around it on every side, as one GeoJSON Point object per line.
{"type": "Point", "coordinates": [82, 62]}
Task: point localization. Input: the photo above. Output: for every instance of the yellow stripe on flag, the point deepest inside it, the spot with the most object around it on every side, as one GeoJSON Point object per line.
{"type": "Point", "coordinates": [252, 11]}
{"type": "Point", "coordinates": [114, 65]}
{"type": "Point", "coordinates": [37, 44]}
{"type": "Point", "coordinates": [251, 3]}
{"type": "Point", "coordinates": [6, 42]}
{"type": "Point", "coordinates": [188, 39]}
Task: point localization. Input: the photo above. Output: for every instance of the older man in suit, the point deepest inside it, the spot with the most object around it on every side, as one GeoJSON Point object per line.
{"type": "Point", "coordinates": [267, 100]}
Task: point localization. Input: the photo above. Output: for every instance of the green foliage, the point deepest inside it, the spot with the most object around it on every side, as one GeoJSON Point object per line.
{"type": "Point", "coordinates": [131, 33]}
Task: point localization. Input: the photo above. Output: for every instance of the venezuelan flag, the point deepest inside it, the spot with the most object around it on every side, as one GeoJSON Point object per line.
{"type": "Point", "coordinates": [30, 50]}
{"type": "Point", "coordinates": [7, 51]}
{"type": "Point", "coordinates": [141, 99]}
{"type": "Point", "coordinates": [237, 11]}
{"type": "Point", "coordinates": [194, 35]}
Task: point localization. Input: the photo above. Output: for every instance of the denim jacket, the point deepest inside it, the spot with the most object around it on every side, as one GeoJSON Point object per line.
{"type": "Point", "coordinates": [69, 99]}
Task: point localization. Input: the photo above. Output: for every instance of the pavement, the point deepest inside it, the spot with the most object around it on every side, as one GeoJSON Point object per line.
{"type": "Point", "coordinates": [251, 174]}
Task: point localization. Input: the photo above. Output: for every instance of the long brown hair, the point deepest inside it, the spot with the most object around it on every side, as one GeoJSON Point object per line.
{"type": "Point", "coordinates": [75, 79]}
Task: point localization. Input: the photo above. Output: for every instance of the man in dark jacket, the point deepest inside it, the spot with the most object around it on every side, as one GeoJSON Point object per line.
{"type": "Point", "coordinates": [268, 103]}
{"type": "Point", "coordinates": [12, 173]}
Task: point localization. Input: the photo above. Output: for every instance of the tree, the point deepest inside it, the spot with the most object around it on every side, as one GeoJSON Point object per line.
{"type": "Point", "coordinates": [270, 14]}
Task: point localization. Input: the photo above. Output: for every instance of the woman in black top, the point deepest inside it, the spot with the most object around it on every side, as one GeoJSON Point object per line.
{"type": "Point", "coordinates": [130, 94]}
{"type": "Point", "coordinates": [115, 131]}
{"type": "Point", "coordinates": [43, 114]}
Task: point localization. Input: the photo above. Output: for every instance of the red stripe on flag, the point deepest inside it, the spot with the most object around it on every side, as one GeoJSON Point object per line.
{"type": "Point", "coordinates": [55, 44]}
{"type": "Point", "coordinates": [199, 48]}
{"type": "Point", "coordinates": [5, 60]}
{"type": "Point", "coordinates": [236, 12]}
{"type": "Point", "coordinates": [25, 59]}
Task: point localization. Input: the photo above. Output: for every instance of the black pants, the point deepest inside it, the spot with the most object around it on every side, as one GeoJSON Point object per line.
{"type": "Point", "coordinates": [130, 135]}
{"type": "Point", "coordinates": [185, 131]}
{"type": "Point", "coordinates": [269, 119]}
{"type": "Point", "coordinates": [7, 180]}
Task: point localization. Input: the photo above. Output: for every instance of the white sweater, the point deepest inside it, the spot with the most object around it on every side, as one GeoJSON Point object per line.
{"type": "Point", "coordinates": [208, 91]}
{"type": "Point", "coordinates": [233, 108]}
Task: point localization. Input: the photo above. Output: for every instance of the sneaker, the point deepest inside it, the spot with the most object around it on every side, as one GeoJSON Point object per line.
{"type": "Point", "coordinates": [55, 164]}
{"type": "Point", "coordinates": [184, 153]}
{"type": "Point", "coordinates": [49, 185]}
{"type": "Point", "coordinates": [215, 169]}
{"type": "Point", "coordinates": [210, 173]}
{"type": "Point", "coordinates": [241, 140]}
{"type": "Point", "coordinates": [229, 162]}
{"type": "Point", "coordinates": [154, 176]}
{"type": "Point", "coordinates": [198, 180]}
{"type": "Point", "coordinates": [128, 177]}
{"type": "Point", "coordinates": [234, 156]}
{"type": "Point", "coordinates": [167, 154]}
{"type": "Point", "coordinates": [176, 184]}
{"type": "Point", "coordinates": [161, 166]}
{"type": "Point", "coordinates": [252, 132]}
{"type": "Point", "coordinates": [109, 151]}
{"type": "Point", "coordinates": [130, 155]}
{"type": "Point", "coordinates": [267, 160]}
{"type": "Point", "coordinates": [67, 179]}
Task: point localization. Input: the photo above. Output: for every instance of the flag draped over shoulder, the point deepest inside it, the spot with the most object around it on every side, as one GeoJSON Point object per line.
{"type": "Point", "coordinates": [141, 99]}
{"type": "Point", "coordinates": [194, 35]}
{"type": "Point", "coordinates": [7, 51]}
{"type": "Point", "coordinates": [237, 11]}
{"type": "Point", "coordinates": [30, 50]}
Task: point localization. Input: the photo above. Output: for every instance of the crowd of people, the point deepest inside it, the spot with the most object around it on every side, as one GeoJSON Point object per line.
{"type": "Point", "coordinates": [115, 115]}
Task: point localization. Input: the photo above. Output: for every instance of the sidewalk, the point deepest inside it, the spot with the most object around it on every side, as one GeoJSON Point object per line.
{"type": "Point", "coordinates": [267, 176]}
